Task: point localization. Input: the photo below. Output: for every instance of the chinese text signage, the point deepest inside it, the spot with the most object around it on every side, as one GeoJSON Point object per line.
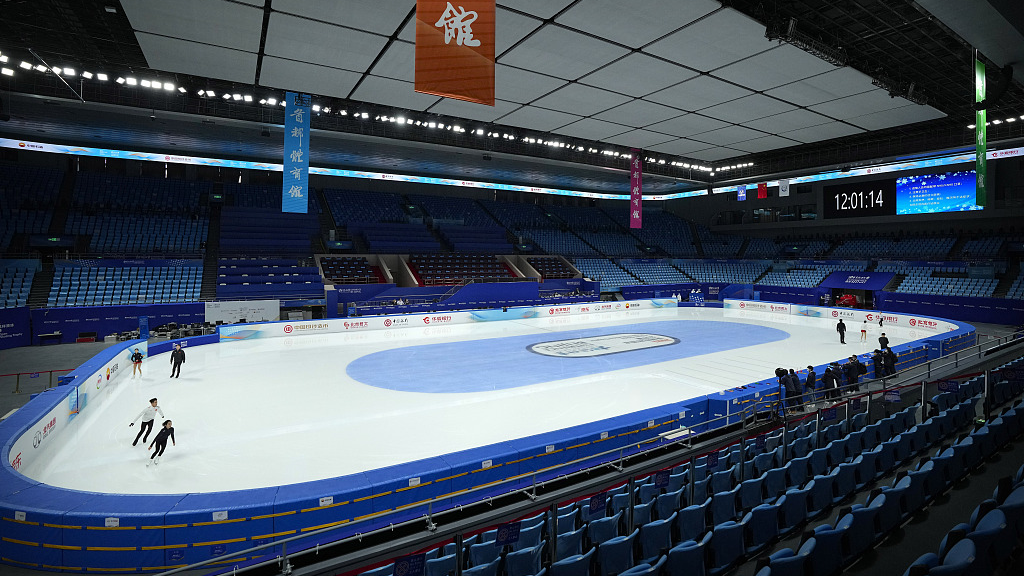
{"type": "Point", "coordinates": [296, 153]}
{"type": "Point", "coordinates": [636, 191]}
{"type": "Point", "coordinates": [455, 49]}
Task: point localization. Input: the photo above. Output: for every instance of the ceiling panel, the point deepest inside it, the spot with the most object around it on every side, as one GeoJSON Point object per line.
{"type": "Point", "coordinates": [319, 43]}
{"type": "Point", "coordinates": [681, 147]}
{"type": "Point", "coordinates": [780, 65]}
{"type": "Point", "coordinates": [511, 27]}
{"type": "Point", "coordinates": [698, 93]}
{"type": "Point", "coordinates": [638, 113]}
{"type": "Point", "coordinates": [518, 85]}
{"type": "Point", "coordinates": [764, 143]}
{"type": "Point", "coordinates": [540, 8]}
{"type": "Point", "coordinates": [638, 75]}
{"type": "Point", "coordinates": [539, 119]}
{"type": "Point", "coordinates": [562, 53]}
{"type": "Point", "coordinates": [728, 135]}
{"type": "Point", "coordinates": [743, 110]}
{"type": "Point", "coordinates": [688, 125]}
{"type": "Point", "coordinates": [712, 42]}
{"type": "Point", "coordinates": [592, 129]}
{"type": "Point", "coordinates": [303, 77]}
{"type": "Point", "coordinates": [638, 24]}
{"type": "Point", "coordinates": [640, 139]}
{"type": "Point", "coordinates": [833, 84]}
{"type": "Point", "coordinates": [717, 153]}
{"type": "Point", "coordinates": [472, 110]}
{"type": "Point", "coordinates": [787, 121]}
{"type": "Point", "coordinates": [398, 62]}
{"type": "Point", "coordinates": [822, 132]}
{"type": "Point", "coordinates": [859, 104]}
{"type": "Point", "coordinates": [896, 117]}
{"type": "Point", "coordinates": [580, 99]}
{"type": "Point", "coordinates": [392, 93]}
{"type": "Point", "coordinates": [174, 55]}
{"type": "Point", "coordinates": [380, 16]}
{"type": "Point", "coordinates": [215, 22]}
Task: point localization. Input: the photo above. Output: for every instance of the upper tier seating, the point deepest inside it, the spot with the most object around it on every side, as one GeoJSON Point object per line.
{"type": "Point", "coordinates": [906, 248]}
{"type": "Point", "coordinates": [349, 270]}
{"type": "Point", "coordinates": [584, 219]}
{"type": "Point", "coordinates": [611, 277]}
{"type": "Point", "coordinates": [109, 194]}
{"type": "Point", "coordinates": [267, 278]}
{"type": "Point", "coordinates": [108, 286]}
{"type": "Point", "coordinates": [357, 206]}
{"type": "Point", "coordinates": [517, 216]}
{"type": "Point", "coordinates": [719, 245]}
{"type": "Point", "coordinates": [613, 243]}
{"type": "Point", "coordinates": [987, 247]}
{"type": "Point", "coordinates": [662, 229]}
{"type": "Point", "coordinates": [551, 267]}
{"type": "Point", "coordinates": [395, 237]}
{"type": "Point", "coordinates": [27, 195]}
{"type": "Point", "coordinates": [808, 275]}
{"type": "Point", "coordinates": [453, 210]}
{"type": "Point", "coordinates": [16, 282]}
{"type": "Point", "coordinates": [266, 231]}
{"type": "Point", "coordinates": [655, 272]}
{"type": "Point", "coordinates": [448, 269]}
{"type": "Point", "coordinates": [488, 239]}
{"type": "Point", "coordinates": [974, 287]}
{"type": "Point", "coordinates": [724, 272]}
{"type": "Point", "coordinates": [559, 242]}
{"type": "Point", "coordinates": [761, 248]}
{"type": "Point", "coordinates": [262, 196]}
{"type": "Point", "coordinates": [140, 234]}
{"type": "Point", "coordinates": [1016, 290]}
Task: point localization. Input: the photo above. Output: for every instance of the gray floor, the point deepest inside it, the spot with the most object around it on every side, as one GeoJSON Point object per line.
{"type": "Point", "coordinates": [38, 360]}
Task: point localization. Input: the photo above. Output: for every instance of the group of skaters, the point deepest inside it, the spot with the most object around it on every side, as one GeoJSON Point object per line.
{"type": "Point", "coordinates": [149, 413]}
{"type": "Point", "coordinates": [837, 377]}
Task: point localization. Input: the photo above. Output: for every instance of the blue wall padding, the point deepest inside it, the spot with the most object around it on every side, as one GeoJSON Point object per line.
{"type": "Point", "coordinates": [146, 543]}
{"type": "Point", "coordinates": [31, 502]}
{"type": "Point", "coordinates": [351, 500]}
{"type": "Point", "coordinates": [208, 538]}
{"type": "Point", "coordinates": [391, 485]}
{"type": "Point", "coordinates": [620, 434]}
{"type": "Point", "coordinates": [467, 471]}
{"type": "Point", "coordinates": [190, 342]}
{"type": "Point", "coordinates": [532, 451]}
{"type": "Point", "coordinates": [495, 293]}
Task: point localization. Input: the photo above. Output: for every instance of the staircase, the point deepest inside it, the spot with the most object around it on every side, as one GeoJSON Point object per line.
{"type": "Point", "coordinates": [696, 239]}
{"type": "Point", "coordinates": [894, 284]}
{"type": "Point", "coordinates": [208, 291]}
{"type": "Point", "coordinates": [1012, 271]}
{"type": "Point", "coordinates": [41, 283]}
{"type": "Point", "coordinates": [326, 222]}
{"type": "Point", "coordinates": [63, 204]}
{"type": "Point", "coordinates": [743, 247]}
{"type": "Point", "coordinates": [957, 248]}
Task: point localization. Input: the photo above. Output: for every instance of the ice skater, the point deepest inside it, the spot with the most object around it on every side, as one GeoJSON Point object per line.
{"type": "Point", "coordinates": [883, 342]}
{"type": "Point", "coordinates": [136, 363]}
{"type": "Point", "coordinates": [147, 415]}
{"type": "Point", "coordinates": [864, 331]}
{"type": "Point", "coordinates": [161, 442]}
{"type": "Point", "coordinates": [841, 328]}
{"type": "Point", "coordinates": [177, 359]}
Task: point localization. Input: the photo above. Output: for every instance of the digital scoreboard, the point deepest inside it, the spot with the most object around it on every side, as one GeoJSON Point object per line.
{"type": "Point", "coordinates": [860, 199]}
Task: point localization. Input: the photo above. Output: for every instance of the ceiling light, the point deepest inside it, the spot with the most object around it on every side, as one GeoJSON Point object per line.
{"type": "Point", "coordinates": [316, 107]}
{"type": "Point", "coordinates": [457, 128]}
{"type": "Point", "coordinates": [146, 84]}
{"type": "Point", "coordinates": [119, 80]}
{"type": "Point", "coordinates": [1011, 119]}
{"type": "Point", "coordinates": [282, 103]}
{"type": "Point", "coordinates": [182, 89]}
{"type": "Point", "coordinates": [210, 93]}
{"type": "Point", "coordinates": [272, 101]}
{"type": "Point", "coordinates": [101, 77]}
{"type": "Point", "coordinates": [6, 71]}
{"type": "Point", "coordinates": [263, 101]}
{"type": "Point", "coordinates": [69, 71]}
{"type": "Point", "coordinates": [236, 96]}
{"type": "Point", "coordinates": [4, 59]}
{"type": "Point", "coordinates": [168, 86]}
{"type": "Point", "coordinates": [432, 125]}
{"type": "Point", "coordinates": [41, 68]}
{"type": "Point", "coordinates": [364, 115]}
{"type": "Point", "coordinates": [87, 75]}
{"type": "Point", "coordinates": [401, 120]}
{"type": "Point", "coordinates": [997, 121]}
{"type": "Point", "coordinates": [131, 81]}
{"type": "Point", "coordinates": [247, 98]}
{"type": "Point", "coordinates": [327, 110]}
{"type": "Point", "coordinates": [343, 112]}
{"type": "Point", "coordinates": [56, 69]}
{"type": "Point", "coordinates": [201, 92]}
{"type": "Point", "coordinates": [25, 65]}
{"type": "Point", "coordinates": [226, 96]}
{"type": "Point", "coordinates": [408, 120]}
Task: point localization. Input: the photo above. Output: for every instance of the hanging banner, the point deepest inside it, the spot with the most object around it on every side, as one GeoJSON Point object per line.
{"type": "Point", "coordinates": [783, 188]}
{"type": "Point", "coordinates": [455, 49]}
{"type": "Point", "coordinates": [295, 187]}
{"type": "Point", "coordinates": [762, 190]}
{"type": "Point", "coordinates": [741, 192]}
{"type": "Point", "coordinates": [981, 133]}
{"type": "Point", "coordinates": [636, 186]}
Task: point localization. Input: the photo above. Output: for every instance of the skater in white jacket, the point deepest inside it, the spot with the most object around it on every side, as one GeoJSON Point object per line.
{"type": "Point", "coordinates": [147, 415]}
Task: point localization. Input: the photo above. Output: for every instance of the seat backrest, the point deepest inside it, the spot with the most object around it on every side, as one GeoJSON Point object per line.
{"type": "Point", "coordinates": [526, 562]}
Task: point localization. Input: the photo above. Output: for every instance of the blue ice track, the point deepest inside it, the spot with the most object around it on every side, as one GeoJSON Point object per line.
{"type": "Point", "coordinates": [455, 367]}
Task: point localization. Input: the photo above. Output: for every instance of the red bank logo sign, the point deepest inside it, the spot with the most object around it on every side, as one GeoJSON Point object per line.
{"type": "Point", "coordinates": [922, 323]}
{"type": "Point", "coordinates": [287, 328]}
{"type": "Point", "coordinates": [389, 322]}
{"type": "Point", "coordinates": [356, 325]}
{"type": "Point", "coordinates": [743, 304]}
{"type": "Point", "coordinates": [436, 319]}
{"type": "Point", "coordinates": [560, 310]}
{"type": "Point", "coordinates": [317, 327]}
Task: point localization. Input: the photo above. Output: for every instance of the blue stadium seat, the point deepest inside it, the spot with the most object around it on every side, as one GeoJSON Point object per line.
{"type": "Point", "coordinates": [761, 527]}
{"type": "Point", "coordinates": [616, 555]}
{"type": "Point", "coordinates": [726, 548]}
{"type": "Point", "coordinates": [575, 565]}
{"type": "Point", "coordinates": [656, 538]}
{"type": "Point", "coordinates": [604, 529]}
{"type": "Point", "coordinates": [786, 562]}
{"type": "Point", "coordinates": [692, 521]}
{"type": "Point", "coordinates": [688, 557]}
{"type": "Point", "coordinates": [569, 544]}
{"type": "Point", "coordinates": [524, 562]}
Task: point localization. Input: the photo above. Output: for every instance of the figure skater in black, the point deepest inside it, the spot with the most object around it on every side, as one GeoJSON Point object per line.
{"type": "Point", "coordinates": [136, 363]}
{"type": "Point", "coordinates": [161, 442]}
{"type": "Point", "coordinates": [177, 358]}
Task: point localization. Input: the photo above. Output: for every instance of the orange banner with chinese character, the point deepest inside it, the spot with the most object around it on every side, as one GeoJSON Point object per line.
{"type": "Point", "coordinates": [455, 49]}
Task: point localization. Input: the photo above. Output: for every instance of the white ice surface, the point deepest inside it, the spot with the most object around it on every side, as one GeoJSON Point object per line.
{"type": "Point", "coordinates": [279, 411]}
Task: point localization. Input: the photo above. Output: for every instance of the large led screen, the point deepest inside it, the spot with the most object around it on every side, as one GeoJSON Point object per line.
{"type": "Point", "coordinates": [931, 193]}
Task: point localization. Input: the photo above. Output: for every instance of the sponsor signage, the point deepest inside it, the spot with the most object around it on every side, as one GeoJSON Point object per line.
{"type": "Point", "coordinates": [949, 386]}
{"type": "Point", "coordinates": [601, 345]}
{"type": "Point", "coordinates": [598, 503]}
{"type": "Point", "coordinates": [507, 534]}
{"type": "Point", "coordinates": [891, 396]}
{"type": "Point", "coordinates": [661, 478]}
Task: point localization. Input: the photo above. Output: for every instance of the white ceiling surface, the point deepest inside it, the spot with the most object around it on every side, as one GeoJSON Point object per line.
{"type": "Point", "coordinates": [692, 79]}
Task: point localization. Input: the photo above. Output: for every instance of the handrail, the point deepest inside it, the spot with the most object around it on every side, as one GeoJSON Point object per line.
{"type": "Point", "coordinates": [18, 375]}
{"type": "Point", "coordinates": [747, 416]}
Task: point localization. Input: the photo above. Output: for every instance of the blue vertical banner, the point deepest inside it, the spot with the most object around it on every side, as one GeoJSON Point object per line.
{"type": "Point", "coordinates": [144, 327]}
{"type": "Point", "coordinates": [295, 189]}
{"type": "Point", "coordinates": [741, 192]}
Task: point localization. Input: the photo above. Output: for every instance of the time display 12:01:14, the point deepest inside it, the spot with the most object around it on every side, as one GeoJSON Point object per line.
{"type": "Point", "coordinates": [856, 200]}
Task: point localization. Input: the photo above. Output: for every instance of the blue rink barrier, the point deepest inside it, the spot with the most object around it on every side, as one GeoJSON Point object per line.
{"type": "Point", "coordinates": [49, 528]}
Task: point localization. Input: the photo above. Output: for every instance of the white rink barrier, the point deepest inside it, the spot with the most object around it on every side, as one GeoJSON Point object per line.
{"type": "Point", "coordinates": [362, 323]}
{"type": "Point", "coordinates": [850, 315]}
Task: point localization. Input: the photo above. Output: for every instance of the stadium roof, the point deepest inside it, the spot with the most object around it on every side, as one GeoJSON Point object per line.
{"type": "Point", "coordinates": [693, 83]}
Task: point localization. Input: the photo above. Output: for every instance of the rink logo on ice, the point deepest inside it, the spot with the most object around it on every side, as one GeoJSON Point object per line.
{"type": "Point", "coordinates": [601, 345]}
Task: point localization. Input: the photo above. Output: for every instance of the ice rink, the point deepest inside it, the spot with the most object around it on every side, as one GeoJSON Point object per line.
{"type": "Point", "coordinates": [276, 411]}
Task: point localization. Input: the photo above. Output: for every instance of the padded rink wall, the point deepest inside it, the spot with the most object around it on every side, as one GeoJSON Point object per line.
{"type": "Point", "coordinates": [50, 528]}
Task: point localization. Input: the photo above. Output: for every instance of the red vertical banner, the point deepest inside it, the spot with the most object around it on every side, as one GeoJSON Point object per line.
{"type": "Point", "coordinates": [636, 188]}
{"type": "Point", "coordinates": [762, 190]}
{"type": "Point", "coordinates": [455, 49]}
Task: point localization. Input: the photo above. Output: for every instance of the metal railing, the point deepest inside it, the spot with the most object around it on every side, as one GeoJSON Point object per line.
{"type": "Point", "coordinates": [760, 418]}
{"type": "Point", "coordinates": [32, 380]}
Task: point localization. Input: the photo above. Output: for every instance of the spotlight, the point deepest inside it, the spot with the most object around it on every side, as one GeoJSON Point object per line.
{"type": "Point", "coordinates": [272, 101]}
{"type": "Point", "coordinates": [364, 115]}
{"type": "Point", "coordinates": [146, 83]}
{"type": "Point", "coordinates": [69, 71]}
{"type": "Point", "coordinates": [6, 71]}
{"type": "Point", "coordinates": [247, 98]}
{"type": "Point", "coordinates": [327, 110]}
{"type": "Point", "coordinates": [41, 68]}
{"type": "Point", "coordinates": [56, 69]}
{"type": "Point", "coordinates": [168, 86]}
{"type": "Point", "coordinates": [101, 77]}
{"type": "Point", "coordinates": [236, 96]}
{"type": "Point", "coordinates": [316, 107]}
{"type": "Point", "coordinates": [131, 81]}
{"type": "Point", "coordinates": [119, 80]}
{"type": "Point", "coordinates": [87, 75]}
{"type": "Point", "coordinates": [343, 112]}
{"type": "Point", "coordinates": [25, 65]}
{"type": "Point", "coordinates": [201, 92]}
{"type": "Point", "coordinates": [182, 89]}
{"type": "Point", "coordinates": [227, 96]}
{"type": "Point", "coordinates": [210, 93]}
{"type": "Point", "coordinates": [4, 59]}
{"type": "Point", "coordinates": [263, 101]}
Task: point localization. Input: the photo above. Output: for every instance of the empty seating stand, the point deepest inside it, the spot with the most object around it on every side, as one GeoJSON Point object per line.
{"type": "Point", "coordinates": [16, 282]}
{"type": "Point", "coordinates": [551, 267]}
{"type": "Point", "coordinates": [449, 269]}
{"type": "Point", "coordinates": [350, 270]}
{"type": "Point", "coordinates": [262, 196]}
{"type": "Point", "coordinates": [489, 239]}
{"type": "Point", "coordinates": [395, 237]}
{"type": "Point", "coordinates": [27, 195]}
{"type": "Point", "coordinates": [268, 232]}
{"type": "Point", "coordinates": [267, 278]}
{"type": "Point", "coordinates": [112, 286]}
